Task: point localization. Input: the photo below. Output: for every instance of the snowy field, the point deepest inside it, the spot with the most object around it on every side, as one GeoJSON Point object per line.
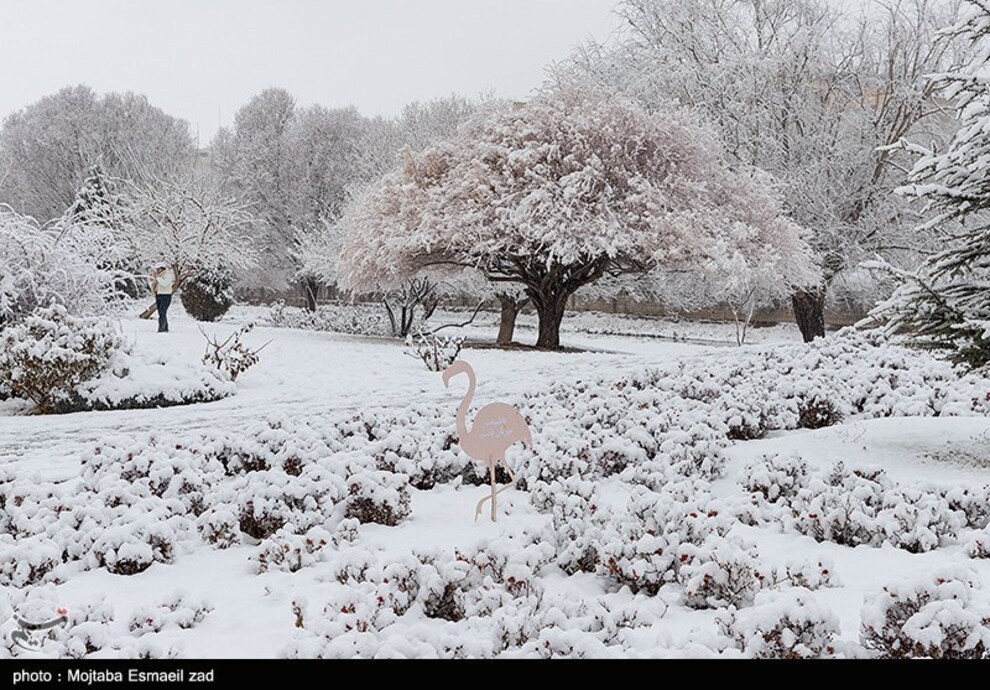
{"type": "Point", "coordinates": [673, 504]}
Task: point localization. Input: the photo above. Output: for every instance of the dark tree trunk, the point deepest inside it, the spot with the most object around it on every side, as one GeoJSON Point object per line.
{"type": "Point", "coordinates": [311, 289]}
{"type": "Point", "coordinates": [550, 308]}
{"type": "Point", "coordinates": [507, 322]}
{"type": "Point", "coordinates": [809, 312]}
{"type": "Point", "coordinates": [550, 286]}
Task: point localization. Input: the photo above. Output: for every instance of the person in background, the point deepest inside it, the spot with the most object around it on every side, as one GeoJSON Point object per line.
{"type": "Point", "coordinates": [162, 282]}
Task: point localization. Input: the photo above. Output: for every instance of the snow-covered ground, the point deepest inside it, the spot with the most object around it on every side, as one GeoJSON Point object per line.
{"type": "Point", "coordinates": [440, 584]}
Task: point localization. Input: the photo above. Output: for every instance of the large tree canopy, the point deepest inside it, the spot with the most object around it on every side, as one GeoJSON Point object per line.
{"type": "Point", "coordinates": [561, 191]}
{"type": "Point", "coordinates": [48, 149]}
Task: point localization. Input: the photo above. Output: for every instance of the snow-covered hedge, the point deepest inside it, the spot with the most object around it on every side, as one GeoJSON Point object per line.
{"type": "Point", "coordinates": [352, 319]}
{"type": "Point", "coordinates": [63, 363]}
{"type": "Point", "coordinates": [47, 357]}
{"type": "Point", "coordinates": [854, 506]}
{"type": "Point", "coordinates": [791, 625]}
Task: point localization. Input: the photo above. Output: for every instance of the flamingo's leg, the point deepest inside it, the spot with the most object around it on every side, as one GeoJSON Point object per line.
{"type": "Point", "coordinates": [481, 503]}
{"type": "Point", "coordinates": [491, 472]}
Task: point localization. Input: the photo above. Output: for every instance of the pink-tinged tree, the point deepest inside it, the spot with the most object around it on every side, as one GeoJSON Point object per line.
{"type": "Point", "coordinates": [555, 194]}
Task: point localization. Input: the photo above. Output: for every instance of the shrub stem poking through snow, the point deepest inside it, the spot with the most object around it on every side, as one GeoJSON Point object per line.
{"type": "Point", "coordinates": [231, 356]}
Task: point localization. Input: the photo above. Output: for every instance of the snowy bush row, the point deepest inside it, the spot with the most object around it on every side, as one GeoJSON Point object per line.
{"type": "Point", "coordinates": [849, 375]}
{"type": "Point", "coordinates": [678, 536]}
{"type": "Point", "coordinates": [352, 319]}
{"type": "Point", "coordinates": [135, 502]}
{"type": "Point", "coordinates": [93, 626]}
{"type": "Point", "coordinates": [855, 506]}
{"type": "Point", "coordinates": [490, 602]}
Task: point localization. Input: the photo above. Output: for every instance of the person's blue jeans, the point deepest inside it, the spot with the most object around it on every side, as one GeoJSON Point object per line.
{"type": "Point", "coordinates": [162, 302]}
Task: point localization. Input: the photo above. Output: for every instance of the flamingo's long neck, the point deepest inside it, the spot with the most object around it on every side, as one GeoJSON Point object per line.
{"type": "Point", "coordinates": [462, 430]}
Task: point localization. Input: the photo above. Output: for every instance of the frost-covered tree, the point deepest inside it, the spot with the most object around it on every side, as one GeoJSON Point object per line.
{"type": "Point", "coordinates": [326, 150]}
{"type": "Point", "coordinates": [553, 195]}
{"type": "Point", "coordinates": [945, 305]}
{"type": "Point", "coordinates": [419, 125]}
{"type": "Point", "coordinates": [42, 266]}
{"type": "Point", "coordinates": [806, 93]}
{"type": "Point", "coordinates": [293, 166]}
{"type": "Point", "coordinates": [190, 223]}
{"type": "Point", "coordinates": [254, 160]}
{"type": "Point", "coordinates": [379, 151]}
{"type": "Point", "coordinates": [48, 149]}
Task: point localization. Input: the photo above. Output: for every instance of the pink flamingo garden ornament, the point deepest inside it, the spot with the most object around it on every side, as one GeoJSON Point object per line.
{"type": "Point", "coordinates": [496, 427]}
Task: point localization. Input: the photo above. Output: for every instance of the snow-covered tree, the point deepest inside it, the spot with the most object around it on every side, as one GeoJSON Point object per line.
{"type": "Point", "coordinates": [255, 163]}
{"type": "Point", "coordinates": [378, 152]}
{"type": "Point", "coordinates": [945, 305]}
{"type": "Point", "coordinates": [48, 149]}
{"type": "Point", "coordinates": [419, 125]}
{"type": "Point", "coordinates": [42, 266]}
{"type": "Point", "coordinates": [190, 223]}
{"type": "Point", "coordinates": [806, 93]}
{"type": "Point", "coordinates": [575, 185]}
{"type": "Point", "coordinates": [293, 166]}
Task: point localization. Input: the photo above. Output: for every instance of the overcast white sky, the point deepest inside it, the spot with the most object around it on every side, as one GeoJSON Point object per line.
{"type": "Point", "coordinates": [202, 59]}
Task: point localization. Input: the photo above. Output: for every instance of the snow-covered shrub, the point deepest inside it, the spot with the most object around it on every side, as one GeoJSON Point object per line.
{"type": "Point", "coordinates": [376, 496]}
{"type": "Point", "coordinates": [979, 544]}
{"type": "Point", "coordinates": [88, 630]}
{"type": "Point", "coordinates": [810, 575]}
{"type": "Point", "coordinates": [179, 610]}
{"type": "Point", "coordinates": [208, 294]}
{"type": "Point", "coordinates": [55, 265]}
{"type": "Point", "coordinates": [941, 616]}
{"type": "Point", "coordinates": [749, 424]}
{"type": "Point", "coordinates": [776, 478]}
{"type": "Point", "coordinates": [640, 544]}
{"type": "Point", "coordinates": [489, 599]}
{"type": "Point", "coordinates": [231, 357]}
{"type": "Point", "coordinates": [292, 552]}
{"type": "Point", "coordinates": [637, 552]}
{"type": "Point", "coordinates": [917, 520]}
{"type": "Point", "coordinates": [220, 527]}
{"type": "Point", "coordinates": [576, 522]}
{"type": "Point", "coordinates": [437, 352]}
{"type": "Point", "coordinates": [719, 573]}
{"type": "Point", "coordinates": [863, 506]}
{"type": "Point", "coordinates": [27, 561]}
{"type": "Point", "coordinates": [269, 500]}
{"type": "Point", "coordinates": [817, 412]}
{"type": "Point", "coordinates": [352, 319]}
{"type": "Point", "coordinates": [973, 502]}
{"type": "Point", "coordinates": [130, 544]}
{"type": "Point", "coordinates": [842, 506]}
{"type": "Point", "coordinates": [790, 625]}
{"type": "Point", "coordinates": [47, 357]}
